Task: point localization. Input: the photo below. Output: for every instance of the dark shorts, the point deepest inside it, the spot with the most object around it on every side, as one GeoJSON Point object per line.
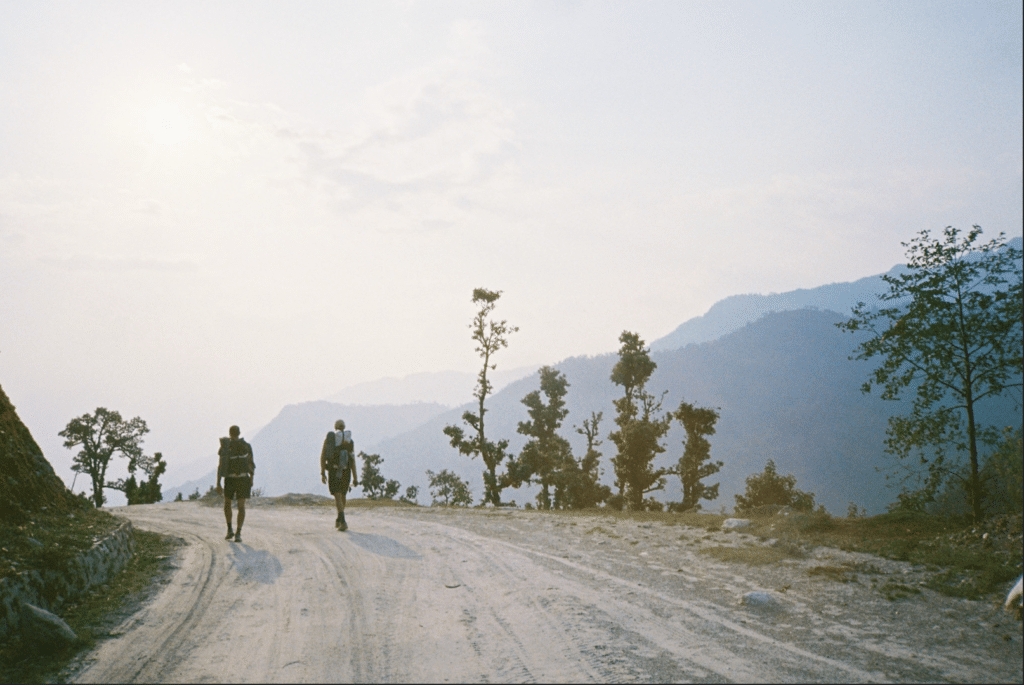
{"type": "Point", "coordinates": [237, 487]}
{"type": "Point", "coordinates": [339, 484]}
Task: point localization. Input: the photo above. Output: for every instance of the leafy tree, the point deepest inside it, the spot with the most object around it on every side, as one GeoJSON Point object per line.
{"type": "Point", "coordinates": [490, 336]}
{"type": "Point", "coordinates": [178, 497]}
{"type": "Point", "coordinates": [546, 455]}
{"type": "Point", "coordinates": [951, 334]}
{"type": "Point", "coordinates": [640, 428]}
{"type": "Point", "coordinates": [411, 493]}
{"type": "Point", "coordinates": [1001, 478]}
{"type": "Point", "coordinates": [374, 485]}
{"type": "Point", "coordinates": [102, 435]}
{"type": "Point", "coordinates": [194, 496]}
{"type": "Point", "coordinates": [1003, 474]}
{"type": "Point", "coordinates": [582, 479]}
{"type": "Point", "coordinates": [771, 488]}
{"type": "Point", "coordinates": [148, 491]}
{"type": "Point", "coordinates": [695, 465]}
{"type": "Point", "coordinates": [448, 489]}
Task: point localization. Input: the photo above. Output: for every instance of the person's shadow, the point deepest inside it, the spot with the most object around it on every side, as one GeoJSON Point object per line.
{"type": "Point", "coordinates": [256, 564]}
{"type": "Point", "coordinates": [385, 547]}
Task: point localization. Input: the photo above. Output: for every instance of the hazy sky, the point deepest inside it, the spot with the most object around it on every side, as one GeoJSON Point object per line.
{"type": "Point", "coordinates": [210, 210]}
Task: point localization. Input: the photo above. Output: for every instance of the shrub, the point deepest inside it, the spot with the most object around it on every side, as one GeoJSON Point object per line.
{"type": "Point", "coordinates": [448, 489]}
{"type": "Point", "coordinates": [769, 487]}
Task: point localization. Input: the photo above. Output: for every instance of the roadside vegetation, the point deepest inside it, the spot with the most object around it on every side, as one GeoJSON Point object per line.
{"type": "Point", "coordinates": [94, 616]}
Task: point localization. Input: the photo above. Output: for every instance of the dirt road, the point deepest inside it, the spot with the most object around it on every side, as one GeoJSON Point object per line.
{"type": "Point", "coordinates": [433, 595]}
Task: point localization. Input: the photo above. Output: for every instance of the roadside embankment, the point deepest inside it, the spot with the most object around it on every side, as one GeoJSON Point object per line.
{"type": "Point", "coordinates": [51, 588]}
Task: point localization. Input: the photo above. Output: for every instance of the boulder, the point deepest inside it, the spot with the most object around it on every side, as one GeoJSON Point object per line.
{"type": "Point", "coordinates": [735, 524]}
{"type": "Point", "coordinates": [1015, 600]}
{"type": "Point", "coordinates": [761, 601]}
{"type": "Point", "coordinates": [45, 630]}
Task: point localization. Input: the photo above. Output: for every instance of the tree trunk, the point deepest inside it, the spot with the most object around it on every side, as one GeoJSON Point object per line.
{"type": "Point", "coordinates": [975, 482]}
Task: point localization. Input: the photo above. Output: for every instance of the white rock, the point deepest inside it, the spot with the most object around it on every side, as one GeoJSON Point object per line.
{"type": "Point", "coordinates": [761, 600]}
{"type": "Point", "coordinates": [1014, 599]}
{"type": "Point", "coordinates": [733, 524]}
{"type": "Point", "coordinates": [46, 630]}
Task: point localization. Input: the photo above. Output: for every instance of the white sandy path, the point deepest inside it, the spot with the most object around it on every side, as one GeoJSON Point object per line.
{"type": "Point", "coordinates": [409, 596]}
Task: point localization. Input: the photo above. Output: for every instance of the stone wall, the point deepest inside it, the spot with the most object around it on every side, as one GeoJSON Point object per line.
{"type": "Point", "coordinates": [50, 589]}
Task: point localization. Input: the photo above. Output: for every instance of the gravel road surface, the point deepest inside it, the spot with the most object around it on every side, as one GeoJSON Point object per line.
{"type": "Point", "coordinates": [436, 595]}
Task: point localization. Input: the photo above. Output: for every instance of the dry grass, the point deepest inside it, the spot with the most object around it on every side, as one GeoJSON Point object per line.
{"type": "Point", "coordinates": [970, 561]}
{"type": "Point", "coordinates": [752, 556]}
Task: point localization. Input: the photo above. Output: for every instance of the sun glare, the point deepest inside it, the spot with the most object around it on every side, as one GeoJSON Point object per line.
{"type": "Point", "coordinates": [166, 124]}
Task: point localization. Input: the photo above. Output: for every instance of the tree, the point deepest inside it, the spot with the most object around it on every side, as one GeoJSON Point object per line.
{"type": "Point", "coordinates": [102, 435]}
{"type": "Point", "coordinates": [148, 491]}
{"type": "Point", "coordinates": [638, 438]}
{"type": "Point", "coordinates": [582, 483]}
{"type": "Point", "coordinates": [411, 493]}
{"type": "Point", "coordinates": [546, 455]}
{"type": "Point", "coordinates": [769, 487]}
{"type": "Point", "coordinates": [448, 489]}
{"type": "Point", "coordinates": [1003, 474]}
{"type": "Point", "coordinates": [490, 336]}
{"type": "Point", "coordinates": [695, 465]}
{"type": "Point", "coordinates": [374, 485]}
{"type": "Point", "coordinates": [951, 334]}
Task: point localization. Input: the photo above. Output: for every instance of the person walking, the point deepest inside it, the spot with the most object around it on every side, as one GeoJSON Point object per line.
{"type": "Point", "coordinates": [337, 465]}
{"type": "Point", "coordinates": [236, 468]}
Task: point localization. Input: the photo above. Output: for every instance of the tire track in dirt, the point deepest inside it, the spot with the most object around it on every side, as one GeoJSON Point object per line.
{"type": "Point", "coordinates": [631, 639]}
{"type": "Point", "coordinates": [712, 620]}
{"type": "Point", "coordinates": [495, 644]}
{"type": "Point", "coordinates": [158, 636]}
{"type": "Point", "coordinates": [430, 596]}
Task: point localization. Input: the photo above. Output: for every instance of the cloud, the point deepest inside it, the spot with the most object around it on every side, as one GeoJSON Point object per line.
{"type": "Point", "coordinates": [150, 207]}
{"type": "Point", "coordinates": [431, 140]}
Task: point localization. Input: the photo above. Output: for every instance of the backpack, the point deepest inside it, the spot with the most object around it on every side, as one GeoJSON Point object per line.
{"type": "Point", "coordinates": [342, 454]}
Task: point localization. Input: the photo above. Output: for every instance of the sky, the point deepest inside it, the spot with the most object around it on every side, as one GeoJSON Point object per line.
{"type": "Point", "coordinates": [209, 210]}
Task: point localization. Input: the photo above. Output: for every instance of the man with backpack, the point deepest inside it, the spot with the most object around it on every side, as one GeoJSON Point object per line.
{"type": "Point", "coordinates": [337, 465]}
{"type": "Point", "coordinates": [236, 467]}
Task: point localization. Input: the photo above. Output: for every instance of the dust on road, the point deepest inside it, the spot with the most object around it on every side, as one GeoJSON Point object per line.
{"type": "Point", "coordinates": [437, 595]}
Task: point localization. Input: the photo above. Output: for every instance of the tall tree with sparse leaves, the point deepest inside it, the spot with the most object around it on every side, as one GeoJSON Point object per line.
{"type": "Point", "coordinates": [640, 425]}
{"type": "Point", "coordinates": [101, 436]}
{"type": "Point", "coordinates": [490, 336]}
{"type": "Point", "coordinates": [949, 331]}
{"type": "Point", "coordinates": [582, 480]}
{"type": "Point", "coordinates": [695, 465]}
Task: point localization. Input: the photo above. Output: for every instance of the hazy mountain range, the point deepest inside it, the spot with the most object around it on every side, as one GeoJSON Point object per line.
{"type": "Point", "coordinates": [775, 365]}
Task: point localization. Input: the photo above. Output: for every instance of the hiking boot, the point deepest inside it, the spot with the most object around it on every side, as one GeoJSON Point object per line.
{"type": "Point", "coordinates": [229, 535]}
{"type": "Point", "coordinates": [238, 536]}
{"type": "Point", "coordinates": [337, 522]}
{"type": "Point", "coordinates": [341, 522]}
